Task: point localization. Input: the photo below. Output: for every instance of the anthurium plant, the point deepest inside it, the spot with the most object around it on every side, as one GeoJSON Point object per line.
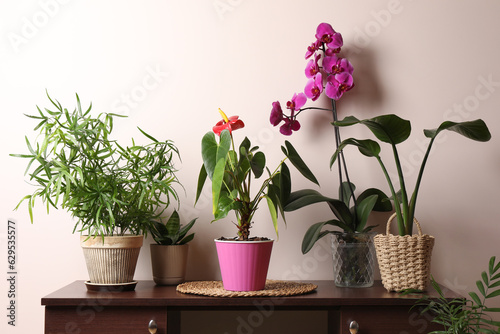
{"type": "Point", "coordinates": [328, 74]}
{"type": "Point", "coordinates": [393, 130]}
{"type": "Point", "coordinates": [109, 188]}
{"type": "Point", "coordinates": [233, 170]}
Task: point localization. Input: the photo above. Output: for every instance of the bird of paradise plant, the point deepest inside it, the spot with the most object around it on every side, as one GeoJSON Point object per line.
{"type": "Point", "coordinates": [232, 172]}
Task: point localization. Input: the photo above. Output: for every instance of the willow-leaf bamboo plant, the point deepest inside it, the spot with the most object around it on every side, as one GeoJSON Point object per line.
{"type": "Point", "coordinates": [110, 189]}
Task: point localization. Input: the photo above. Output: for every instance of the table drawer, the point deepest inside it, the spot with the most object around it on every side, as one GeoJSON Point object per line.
{"type": "Point", "coordinates": [101, 319]}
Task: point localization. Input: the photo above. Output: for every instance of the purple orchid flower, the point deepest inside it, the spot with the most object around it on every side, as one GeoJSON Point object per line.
{"type": "Point", "coordinates": [289, 126]}
{"type": "Point", "coordinates": [312, 67]}
{"type": "Point", "coordinates": [338, 84]}
{"type": "Point", "coordinates": [297, 102]}
{"type": "Point", "coordinates": [314, 87]}
{"type": "Point", "coordinates": [276, 114]}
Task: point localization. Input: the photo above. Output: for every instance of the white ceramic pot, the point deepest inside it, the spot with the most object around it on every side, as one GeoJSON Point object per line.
{"type": "Point", "coordinates": [111, 260]}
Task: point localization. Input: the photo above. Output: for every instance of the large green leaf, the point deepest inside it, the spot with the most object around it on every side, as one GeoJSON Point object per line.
{"type": "Point", "coordinates": [212, 152]}
{"type": "Point", "coordinates": [367, 147]}
{"type": "Point", "coordinates": [475, 130]}
{"type": "Point", "coordinates": [258, 163]}
{"type": "Point", "coordinates": [285, 183]}
{"type": "Point", "coordinates": [388, 128]}
{"type": "Point", "coordinates": [297, 161]}
{"type": "Point", "coordinates": [383, 203]}
{"type": "Point", "coordinates": [312, 235]}
{"type": "Point", "coordinates": [304, 197]}
{"type": "Point", "coordinates": [225, 205]}
{"type": "Point", "coordinates": [363, 210]}
{"type": "Point", "coordinates": [346, 191]}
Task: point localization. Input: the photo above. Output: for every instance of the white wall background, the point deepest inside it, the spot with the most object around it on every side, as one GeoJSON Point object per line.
{"type": "Point", "coordinates": [169, 65]}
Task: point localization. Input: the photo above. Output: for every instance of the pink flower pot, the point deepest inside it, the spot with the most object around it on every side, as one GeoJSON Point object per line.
{"type": "Point", "coordinates": [244, 264]}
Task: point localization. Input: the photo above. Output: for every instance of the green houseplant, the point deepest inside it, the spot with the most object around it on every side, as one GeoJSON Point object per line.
{"type": "Point", "coordinates": [232, 172]}
{"type": "Point", "coordinates": [466, 315]}
{"type": "Point", "coordinates": [112, 191]}
{"type": "Point", "coordinates": [353, 252]}
{"type": "Point", "coordinates": [398, 265]}
{"type": "Point", "coordinates": [169, 254]}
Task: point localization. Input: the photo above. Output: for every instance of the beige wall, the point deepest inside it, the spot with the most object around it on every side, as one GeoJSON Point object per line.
{"type": "Point", "coordinates": [169, 65]}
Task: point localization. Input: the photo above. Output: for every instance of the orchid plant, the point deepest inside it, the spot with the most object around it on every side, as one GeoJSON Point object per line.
{"type": "Point", "coordinates": [232, 172]}
{"type": "Point", "coordinates": [329, 73]}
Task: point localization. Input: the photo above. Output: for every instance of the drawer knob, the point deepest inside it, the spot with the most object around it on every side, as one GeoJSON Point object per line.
{"type": "Point", "coordinates": [353, 327]}
{"type": "Point", "coordinates": [152, 327]}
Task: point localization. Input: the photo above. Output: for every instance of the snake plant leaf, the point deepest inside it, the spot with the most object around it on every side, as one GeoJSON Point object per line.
{"type": "Point", "coordinates": [183, 231]}
{"type": "Point", "coordinates": [383, 203]}
{"type": "Point", "coordinates": [173, 223]}
{"type": "Point", "coordinates": [363, 210]}
{"type": "Point", "coordinates": [314, 233]}
{"type": "Point", "coordinates": [297, 161]}
{"type": "Point", "coordinates": [304, 197]}
{"type": "Point", "coordinates": [475, 130]}
{"type": "Point", "coordinates": [388, 128]}
{"type": "Point", "coordinates": [186, 239]}
{"type": "Point", "coordinates": [258, 163]}
{"type": "Point", "coordinates": [367, 147]}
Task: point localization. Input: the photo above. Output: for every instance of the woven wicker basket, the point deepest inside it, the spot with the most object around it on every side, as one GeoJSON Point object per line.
{"type": "Point", "coordinates": [404, 261]}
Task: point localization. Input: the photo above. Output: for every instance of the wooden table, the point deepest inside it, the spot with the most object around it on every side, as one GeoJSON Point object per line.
{"type": "Point", "coordinates": [73, 309]}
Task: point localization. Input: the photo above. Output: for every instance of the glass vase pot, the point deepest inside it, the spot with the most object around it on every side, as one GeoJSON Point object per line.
{"type": "Point", "coordinates": [353, 259]}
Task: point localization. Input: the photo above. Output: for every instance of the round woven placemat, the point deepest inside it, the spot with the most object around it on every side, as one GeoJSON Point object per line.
{"type": "Point", "coordinates": [273, 288]}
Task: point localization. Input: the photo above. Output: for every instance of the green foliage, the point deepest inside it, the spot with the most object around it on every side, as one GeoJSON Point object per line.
{"type": "Point", "coordinates": [462, 315]}
{"type": "Point", "coordinates": [110, 189]}
{"type": "Point", "coordinates": [349, 219]}
{"type": "Point", "coordinates": [394, 130]}
{"type": "Point", "coordinates": [172, 232]}
{"type": "Point", "coordinates": [232, 173]}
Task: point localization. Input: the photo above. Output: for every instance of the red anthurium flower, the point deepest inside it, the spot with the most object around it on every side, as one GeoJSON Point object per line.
{"type": "Point", "coordinates": [338, 84]}
{"type": "Point", "coordinates": [289, 126]}
{"type": "Point", "coordinates": [231, 123]}
{"type": "Point", "coordinates": [276, 114]}
{"type": "Point", "coordinates": [314, 87]}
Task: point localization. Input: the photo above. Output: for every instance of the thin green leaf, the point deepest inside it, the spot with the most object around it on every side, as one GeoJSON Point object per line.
{"type": "Point", "coordinates": [297, 161]}
{"type": "Point", "coordinates": [274, 214]}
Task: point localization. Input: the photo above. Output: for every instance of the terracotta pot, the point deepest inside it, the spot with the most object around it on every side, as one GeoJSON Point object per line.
{"type": "Point", "coordinates": [111, 260]}
{"type": "Point", "coordinates": [244, 264]}
{"type": "Point", "coordinates": [169, 263]}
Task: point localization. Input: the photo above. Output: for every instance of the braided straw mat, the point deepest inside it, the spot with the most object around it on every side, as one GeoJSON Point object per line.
{"type": "Point", "coordinates": [404, 261]}
{"type": "Point", "coordinates": [273, 288]}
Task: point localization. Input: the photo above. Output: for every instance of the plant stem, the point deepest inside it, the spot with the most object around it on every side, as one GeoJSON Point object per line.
{"type": "Point", "coordinates": [408, 225]}
{"type": "Point", "coordinates": [413, 200]}
{"type": "Point", "coordinates": [341, 160]}
{"type": "Point", "coordinates": [397, 205]}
